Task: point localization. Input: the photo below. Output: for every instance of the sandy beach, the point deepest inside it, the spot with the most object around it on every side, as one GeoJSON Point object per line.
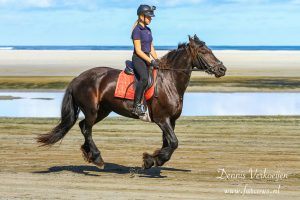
{"type": "Point", "coordinates": [72, 63]}
{"type": "Point", "coordinates": [206, 144]}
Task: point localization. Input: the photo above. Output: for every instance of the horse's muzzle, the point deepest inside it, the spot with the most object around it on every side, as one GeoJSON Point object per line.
{"type": "Point", "coordinates": [221, 71]}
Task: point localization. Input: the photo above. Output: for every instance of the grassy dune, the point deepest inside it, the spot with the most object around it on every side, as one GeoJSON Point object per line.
{"type": "Point", "coordinates": [197, 83]}
{"type": "Point", "coordinates": [206, 144]}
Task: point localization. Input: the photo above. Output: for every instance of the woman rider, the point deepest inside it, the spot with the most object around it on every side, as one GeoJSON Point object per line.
{"type": "Point", "coordinates": [143, 49]}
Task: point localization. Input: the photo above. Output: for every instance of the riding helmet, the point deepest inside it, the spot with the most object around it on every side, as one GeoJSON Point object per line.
{"type": "Point", "coordinates": [146, 10]}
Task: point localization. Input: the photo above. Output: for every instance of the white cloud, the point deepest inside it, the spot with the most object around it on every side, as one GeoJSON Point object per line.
{"type": "Point", "coordinates": [297, 2]}
{"type": "Point", "coordinates": [112, 4]}
{"type": "Point", "coordinates": [91, 4]}
{"type": "Point", "coordinates": [26, 3]}
{"type": "Point", "coordinates": [179, 2]}
{"type": "Point", "coordinates": [38, 3]}
{"type": "Point", "coordinates": [2, 2]}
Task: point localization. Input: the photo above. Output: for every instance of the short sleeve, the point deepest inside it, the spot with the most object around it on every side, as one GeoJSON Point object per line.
{"type": "Point", "coordinates": [136, 34]}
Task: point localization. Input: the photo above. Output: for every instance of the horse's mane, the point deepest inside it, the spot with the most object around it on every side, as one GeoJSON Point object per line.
{"type": "Point", "coordinates": [172, 54]}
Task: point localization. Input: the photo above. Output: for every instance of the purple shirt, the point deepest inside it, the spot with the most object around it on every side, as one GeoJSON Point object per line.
{"type": "Point", "coordinates": [144, 34]}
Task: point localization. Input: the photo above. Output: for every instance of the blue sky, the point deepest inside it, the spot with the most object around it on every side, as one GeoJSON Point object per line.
{"type": "Point", "coordinates": [98, 22]}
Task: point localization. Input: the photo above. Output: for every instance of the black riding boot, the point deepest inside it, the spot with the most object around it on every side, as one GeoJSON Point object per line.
{"type": "Point", "coordinates": [139, 108]}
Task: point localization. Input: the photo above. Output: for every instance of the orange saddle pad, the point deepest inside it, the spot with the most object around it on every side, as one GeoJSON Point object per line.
{"type": "Point", "coordinates": [124, 80]}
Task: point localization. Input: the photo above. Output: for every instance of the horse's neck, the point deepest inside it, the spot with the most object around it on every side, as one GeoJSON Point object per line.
{"type": "Point", "coordinates": [180, 76]}
{"type": "Point", "coordinates": [181, 80]}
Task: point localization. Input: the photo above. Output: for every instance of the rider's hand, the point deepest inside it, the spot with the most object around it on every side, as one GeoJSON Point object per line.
{"type": "Point", "coordinates": [155, 63]}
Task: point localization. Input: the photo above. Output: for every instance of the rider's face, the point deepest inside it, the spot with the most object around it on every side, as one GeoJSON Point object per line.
{"type": "Point", "coordinates": [147, 19]}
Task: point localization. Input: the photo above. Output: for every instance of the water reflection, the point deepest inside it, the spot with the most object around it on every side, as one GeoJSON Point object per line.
{"type": "Point", "coordinates": [47, 104]}
{"type": "Point", "coordinates": [241, 104]}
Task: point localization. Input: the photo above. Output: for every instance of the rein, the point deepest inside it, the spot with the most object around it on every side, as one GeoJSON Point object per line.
{"type": "Point", "coordinates": [171, 69]}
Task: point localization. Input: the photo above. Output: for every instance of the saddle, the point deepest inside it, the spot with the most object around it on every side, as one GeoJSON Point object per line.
{"type": "Point", "coordinates": [129, 70]}
{"type": "Point", "coordinates": [127, 80]}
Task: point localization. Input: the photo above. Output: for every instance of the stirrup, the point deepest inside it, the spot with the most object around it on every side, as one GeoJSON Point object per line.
{"type": "Point", "coordinates": [139, 110]}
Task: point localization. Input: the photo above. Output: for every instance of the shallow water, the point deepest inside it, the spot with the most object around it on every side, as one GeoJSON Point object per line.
{"type": "Point", "coordinates": [47, 104]}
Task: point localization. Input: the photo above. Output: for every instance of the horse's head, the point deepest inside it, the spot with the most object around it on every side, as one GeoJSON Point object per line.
{"type": "Point", "coordinates": [203, 58]}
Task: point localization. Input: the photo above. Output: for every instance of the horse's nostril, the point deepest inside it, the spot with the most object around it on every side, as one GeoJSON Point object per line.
{"type": "Point", "coordinates": [223, 69]}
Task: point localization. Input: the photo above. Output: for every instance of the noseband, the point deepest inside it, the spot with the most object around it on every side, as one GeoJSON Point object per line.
{"type": "Point", "coordinates": [203, 65]}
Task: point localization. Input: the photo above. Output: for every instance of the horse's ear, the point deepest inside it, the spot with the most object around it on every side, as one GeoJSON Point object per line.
{"type": "Point", "coordinates": [192, 45]}
{"type": "Point", "coordinates": [192, 42]}
{"type": "Point", "coordinates": [190, 39]}
{"type": "Point", "coordinates": [196, 38]}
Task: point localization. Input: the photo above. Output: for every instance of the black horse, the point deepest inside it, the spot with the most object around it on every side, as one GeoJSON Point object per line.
{"type": "Point", "coordinates": [92, 92]}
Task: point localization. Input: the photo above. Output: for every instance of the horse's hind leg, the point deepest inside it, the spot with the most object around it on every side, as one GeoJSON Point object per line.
{"type": "Point", "coordinates": [89, 149]}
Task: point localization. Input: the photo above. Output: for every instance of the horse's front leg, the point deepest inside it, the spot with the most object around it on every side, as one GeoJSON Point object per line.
{"type": "Point", "coordinates": [170, 143]}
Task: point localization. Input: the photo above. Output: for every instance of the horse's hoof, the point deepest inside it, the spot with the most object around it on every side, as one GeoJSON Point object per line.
{"type": "Point", "coordinates": [85, 155]}
{"type": "Point", "coordinates": [148, 161]}
{"type": "Point", "coordinates": [99, 163]}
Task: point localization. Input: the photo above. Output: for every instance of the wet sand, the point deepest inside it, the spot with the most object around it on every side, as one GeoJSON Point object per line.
{"type": "Point", "coordinates": [206, 145]}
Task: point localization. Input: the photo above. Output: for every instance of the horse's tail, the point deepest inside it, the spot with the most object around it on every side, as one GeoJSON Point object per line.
{"type": "Point", "coordinates": [69, 115]}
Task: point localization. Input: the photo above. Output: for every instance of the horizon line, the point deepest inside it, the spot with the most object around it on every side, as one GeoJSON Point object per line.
{"type": "Point", "coordinates": [216, 45]}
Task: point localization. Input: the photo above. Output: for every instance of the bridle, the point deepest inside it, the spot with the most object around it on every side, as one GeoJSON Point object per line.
{"type": "Point", "coordinates": [202, 65]}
